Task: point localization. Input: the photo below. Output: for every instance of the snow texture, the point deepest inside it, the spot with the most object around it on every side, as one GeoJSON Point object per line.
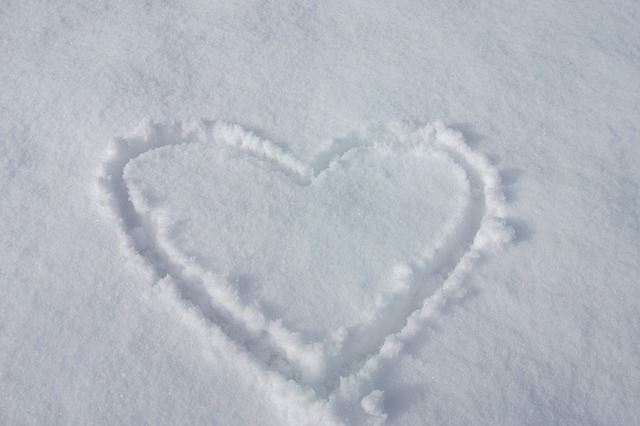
{"type": "Point", "coordinates": [248, 213]}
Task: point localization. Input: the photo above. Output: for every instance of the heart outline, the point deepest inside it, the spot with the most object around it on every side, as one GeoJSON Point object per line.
{"type": "Point", "coordinates": [294, 358]}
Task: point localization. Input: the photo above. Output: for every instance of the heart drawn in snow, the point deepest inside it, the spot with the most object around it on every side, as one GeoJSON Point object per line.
{"type": "Point", "coordinates": [321, 270]}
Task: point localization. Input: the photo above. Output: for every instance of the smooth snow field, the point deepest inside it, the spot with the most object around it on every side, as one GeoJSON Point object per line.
{"type": "Point", "coordinates": [291, 213]}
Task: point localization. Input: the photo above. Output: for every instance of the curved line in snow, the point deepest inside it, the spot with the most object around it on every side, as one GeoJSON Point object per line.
{"type": "Point", "coordinates": [339, 374]}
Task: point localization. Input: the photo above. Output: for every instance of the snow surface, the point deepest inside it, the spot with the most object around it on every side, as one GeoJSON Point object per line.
{"type": "Point", "coordinates": [319, 213]}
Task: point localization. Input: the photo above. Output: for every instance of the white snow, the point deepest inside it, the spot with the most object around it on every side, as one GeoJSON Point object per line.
{"type": "Point", "coordinates": [332, 213]}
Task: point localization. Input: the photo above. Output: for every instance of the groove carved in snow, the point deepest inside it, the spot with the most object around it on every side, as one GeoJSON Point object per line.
{"type": "Point", "coordinates": [247, 238]}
